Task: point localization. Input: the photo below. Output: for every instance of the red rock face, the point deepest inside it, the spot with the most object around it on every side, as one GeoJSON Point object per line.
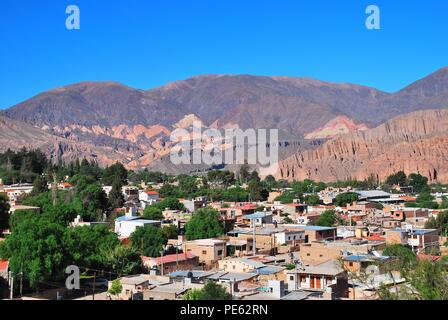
{"type": "Point", "coordinates": [417, 142]}
{"type": "Point", "coordinates": [337, 126]}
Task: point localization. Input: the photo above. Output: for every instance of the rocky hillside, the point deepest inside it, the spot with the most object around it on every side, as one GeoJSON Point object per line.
{"type": "Point", "coordinates": [416, 142]}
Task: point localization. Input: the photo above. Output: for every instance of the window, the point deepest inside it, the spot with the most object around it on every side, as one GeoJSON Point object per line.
{"type": "Point", "coordinates": [308, 254]}
{"type": "Point", "coordinates": [219, 252]}
{"type": "Point", "coordinates": [351, 264]}
{"type": "Point", "coordinates": [321, 256]}
{"type": "Point", "coordinates": [291, 278]}
{"type": "Point", "coordinates": [204, 251]}
{"type": "Point", "coordinates": [234, 267]}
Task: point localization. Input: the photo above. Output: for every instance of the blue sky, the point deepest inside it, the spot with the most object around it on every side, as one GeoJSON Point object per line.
{"type": "Point", "coordinates": [146, 43]}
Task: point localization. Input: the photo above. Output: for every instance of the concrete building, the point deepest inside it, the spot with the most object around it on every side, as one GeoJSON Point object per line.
{"type": "Point", "coordinates": [329, 278]}
{"type": "Point", "coordinates": [209, 251]}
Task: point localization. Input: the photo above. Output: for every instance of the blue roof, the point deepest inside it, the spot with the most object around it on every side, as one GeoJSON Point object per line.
{"type": "Point", "coordinates": [258, 215]}
{"type": "Point", "coordinates": [125, 218]}
{"type": "Point", "coordinates": [267, 270]}
{"type": "Point", "coordinates": [364, 257]}
{"type": "Point", "coordinates": [313, 228]}
{"type": "Point", "coordinates": [417, 232]}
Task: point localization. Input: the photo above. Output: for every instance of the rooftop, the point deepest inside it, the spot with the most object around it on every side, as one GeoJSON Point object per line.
{"type": "Point", "coordinates": [330, 268]}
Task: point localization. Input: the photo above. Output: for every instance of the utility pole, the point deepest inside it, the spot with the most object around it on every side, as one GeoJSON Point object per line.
{"type": "Point", "coordinates": [94, 284]}
{"type": "Point", "coordinates": [21, 283]}
{"type": "Point", "coordinates": [11, 286]}
{"type": "Point", "coordinates": [177, 258]}
{"type": "Point", "coordinates": [161, 261]}
{"type": "Point", "coordinates": [254, 244]}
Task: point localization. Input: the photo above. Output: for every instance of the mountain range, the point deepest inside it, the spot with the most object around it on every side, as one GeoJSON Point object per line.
{"type": "Point", "coordinates": [108, 121]}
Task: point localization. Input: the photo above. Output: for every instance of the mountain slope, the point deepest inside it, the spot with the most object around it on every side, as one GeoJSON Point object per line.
{"type": "Point", "coordinates": [416, 142]}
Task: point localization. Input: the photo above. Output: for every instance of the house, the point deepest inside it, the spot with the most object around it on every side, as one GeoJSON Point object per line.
{"type": "Point", "coordinates": [130, 193]}
{"type": "Point", "coordinates": [239, 265]}
{"type": "Point", "coordinates": [66, 186]}
{"type": "Point", "coordinates": [134, 286]}
{"type": "Point", "coordinates": [172, 262]}
{"type": "Point", "coordinates": [402, 214]}
{"type": "Point", "coordinates": [126, 225]}
{"type": "Point", "coordinates": [168, 291]}
{"type": "Point", "coordinates": [289, 236]}
{"type": "Point", "coordinates": [264, 237]}
{"type": "Point", "coordinates": [4, 268]}
{"type": "Point", "coordinates": [258, 218]}
{"type": "Point", "coordinates": [295, 209]}
{"type": "Point", "coordinates": [148, 198]}
{"type": "Point", "coordinates": [418, 239]}
{"type": "Point", "coordinates": [209, 251]}
{"type": "Point", "coordinates": [328, 277]}
{"type": "Point", "coordinates": [360, 262]}
{"type": "Point", "coordinates": [319, 252]}
{"type": "Point", "coordinates": [315, 233]}
{"type": "Point", "coordinates": [194, 204]}
{"type": "Point", "coordinates": [368, 195]}
{"type": "Point", "coordinates": [361, 207]}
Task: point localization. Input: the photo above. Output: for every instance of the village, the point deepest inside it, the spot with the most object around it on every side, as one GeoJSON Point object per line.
{"type": "Point", "coordinates": [326, 242]}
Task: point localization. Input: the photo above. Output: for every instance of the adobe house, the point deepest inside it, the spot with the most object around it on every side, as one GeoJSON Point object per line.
{"type": "Point", "coordinates": [328, 278]}
{"type": "Point", "coordinates": [172, 262]}
{"type": "Point", "coordinates": [209, 251]}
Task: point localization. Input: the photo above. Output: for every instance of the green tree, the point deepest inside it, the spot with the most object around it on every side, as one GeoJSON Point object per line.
{"type": "Point", "coordinates": [210, 291]}
{"type": "Point", "coordinates": [244, 173]}
{"type": "Point", "coordinates": [398, 178]}
{"type": "Point", "coordinates": [149, 240]}
{"type": "Point", "coordinates": [170, 232]}
{"type": "Point", "coordinates": [35, 247]}
{"type": "Point", "coordinates": [153, 213]}
{"type": "Point", "coordinates": [4, 212]}
{"type": "Point", "coordinates": [116, 288]}
{"type": "Point", "coordinates": [327, 219]}
{"type": "Point", "coordinates": [204, 224]}
{"type": "Point", "coordinates": [40, 185]}
{"type": "Point", "coordinates": [170, 203]}
{"type": "Point", "coordinates": [440, 223]}
{"type": "Point", "coordinates": [344, 199]}
{"type": "Point", "coordinates": [192, 294]}
{"type": "Point", "coordinates": [84, 246]}
{"type": "Point", "coordinates": [312, 200]}
{"type": "Point", "coordinates": [418, 182]}
{"type": "Point", "coordinates": [405, 257]}
{"type": "Point", "coordinates": [256, 190]}
{"type": "Point", "coordinates": [114, 172]}
{"type": "Point", "coordinates": [116, 198]}
{"type": "Point", "coordinates": [122, 260]}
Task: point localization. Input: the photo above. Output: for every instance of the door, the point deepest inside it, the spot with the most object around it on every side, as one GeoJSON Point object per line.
{"type": "Point", "coordinates": [312, 282]}
{"type": "Point", "coordinates": [318, 283]}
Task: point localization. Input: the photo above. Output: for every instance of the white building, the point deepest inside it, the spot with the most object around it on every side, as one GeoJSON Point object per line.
{"type": "Point", "coordinates": [125, 226]}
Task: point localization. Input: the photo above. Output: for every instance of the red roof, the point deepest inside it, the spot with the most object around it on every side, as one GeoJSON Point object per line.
{"type": "Point", "coordinates": [376, 237]}
{"type": "Point", "coordinates": [66, 184]}
{"type": "Point", "coordinates": [152, 193]}
{"type": "Point", "coordinates": [170, 258]}
{"type": "Point", "coordinates": [4, 264]}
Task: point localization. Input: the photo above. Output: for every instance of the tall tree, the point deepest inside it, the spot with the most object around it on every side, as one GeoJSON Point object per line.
{"type": "Point", "coordinates": [149, 240]}
{"type": "Point", "coordinates": [204, 224]}
{"type": "Point", "coordinates": [4, 212]}
{"type": "Point", "coordinates": [116, 198]}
